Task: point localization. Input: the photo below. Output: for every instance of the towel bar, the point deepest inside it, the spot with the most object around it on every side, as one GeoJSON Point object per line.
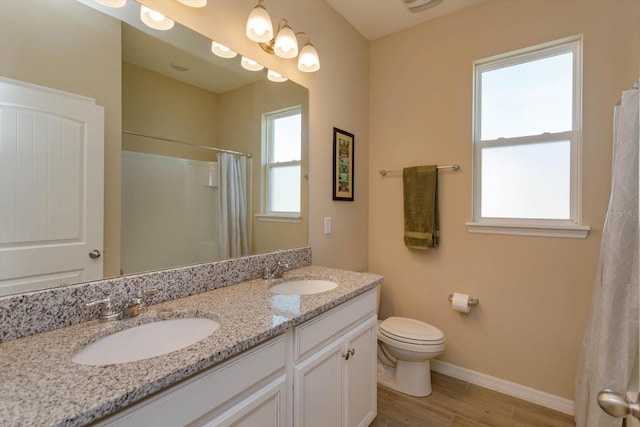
{"type": "Point", "coordinates": [455, 167]}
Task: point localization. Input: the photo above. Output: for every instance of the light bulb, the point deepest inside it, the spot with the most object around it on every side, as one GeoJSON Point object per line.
{"type": "Point", "coordinates": [112, 3]}
{"type": "Point", "coordinates": [222, 51]}
{"type": "Point", "coordinates": [286, 45]}
{"type": "Point", "coordinates": [276, 77]}
{"type": "Point", "coordinates": [259, 27]}
{"type": "Point", "coordinates": [308, 61]}
{"type": "Point", "coordinates": [194, 3]}
{"type": "Point", "coordinates": [250, 64]}
{"type": "Point", "coordinates": [155, 19]}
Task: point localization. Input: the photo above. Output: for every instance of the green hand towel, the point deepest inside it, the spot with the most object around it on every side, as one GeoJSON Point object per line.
{"type": "Point", "coordinates": [420, 184]}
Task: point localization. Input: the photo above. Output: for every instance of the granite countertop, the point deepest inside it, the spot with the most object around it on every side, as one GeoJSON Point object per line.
{"type": "Point", "coordinates": [40, 386]}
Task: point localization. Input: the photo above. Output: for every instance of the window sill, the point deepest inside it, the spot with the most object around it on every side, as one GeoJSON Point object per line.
{"type": "Point", "coordinates": [569, 231]}
{"type": "Point", "coordinates": [292, 218]}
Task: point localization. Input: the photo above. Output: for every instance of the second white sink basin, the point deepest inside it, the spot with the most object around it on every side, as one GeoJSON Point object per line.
{"type": "Point", "coordinates": [145, 341]}
{"type": "Point", "coordinates": [303, 287]}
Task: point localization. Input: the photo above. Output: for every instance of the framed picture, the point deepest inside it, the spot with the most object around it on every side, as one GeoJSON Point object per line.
{"type": "Point", "coordinates": [342, 165]}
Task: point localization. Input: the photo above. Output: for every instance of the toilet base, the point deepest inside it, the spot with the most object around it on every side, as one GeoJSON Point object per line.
{"type": "Point", "coordinates": [412, 378]}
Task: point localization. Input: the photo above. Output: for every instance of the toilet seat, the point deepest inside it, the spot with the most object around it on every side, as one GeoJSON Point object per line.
{"type": "Point", "coordinates": [410, 331]}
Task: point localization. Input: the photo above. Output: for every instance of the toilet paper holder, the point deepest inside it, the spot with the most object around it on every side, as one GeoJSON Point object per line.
{"type": "Point", "coordinates": [472, 300]}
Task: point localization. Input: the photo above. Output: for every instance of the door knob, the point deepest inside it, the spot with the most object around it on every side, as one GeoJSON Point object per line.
{"type": "Point", "coordinates": [94, 254]}
{"type": "Point", "coordinates": [617, 405]}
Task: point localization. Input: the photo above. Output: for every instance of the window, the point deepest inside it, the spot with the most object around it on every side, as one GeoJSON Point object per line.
{"type": "Point", "coordinates": [281, 154]}
{"type": "Point", "coordinates": [526, 142]}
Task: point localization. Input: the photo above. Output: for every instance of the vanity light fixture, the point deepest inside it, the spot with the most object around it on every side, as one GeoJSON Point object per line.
{"type": "Point", "coordinates": [194, 3]}
{"type": "Point", "coordinates": [222, 51]}
{"type": "Point", "coordinates": [155, 20]}
{"type": "Point", "coordinates": [112, 3]}
{"type": "Point", "coordinates": [276, 77]}
{"type": "Point", "coordinates": [250, 64]}
{"type": "Point", "coordinates": [285, 44]}
{"type": "Point", "coordinates": [308, 60]}
{"type": "Point", "coordinates": [259, 27]}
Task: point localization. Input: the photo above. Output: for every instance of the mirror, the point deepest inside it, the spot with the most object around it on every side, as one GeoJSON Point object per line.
{"type": "Point", "coordinates": [177, 101]}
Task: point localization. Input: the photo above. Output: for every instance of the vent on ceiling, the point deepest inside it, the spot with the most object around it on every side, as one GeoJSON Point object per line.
{"type": "Point", "coordinates": [420, 5]}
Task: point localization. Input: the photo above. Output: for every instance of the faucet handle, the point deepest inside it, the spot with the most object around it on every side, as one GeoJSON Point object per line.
{"type": "Point", "coordinates": [280, 269]}
{"type": "Point", "coordinates": [143, 298]}
{"type": "Point", "coordinates": [106, 309]}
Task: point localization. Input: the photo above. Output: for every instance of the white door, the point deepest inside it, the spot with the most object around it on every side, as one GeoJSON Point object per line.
{"type": "Point", "coordinates": [51, 188]}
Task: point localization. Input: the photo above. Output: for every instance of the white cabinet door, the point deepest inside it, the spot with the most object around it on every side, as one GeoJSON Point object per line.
{"type": "Point", "coordinates": [360, 406]}
{"type": "Point", "coordinates": [317, 388]}
{"type": "Point", "coordinates": [51, 188]}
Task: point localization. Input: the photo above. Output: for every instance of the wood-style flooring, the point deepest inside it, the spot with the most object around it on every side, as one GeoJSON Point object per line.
{"type": "Point", "coordinates": [458, 403]}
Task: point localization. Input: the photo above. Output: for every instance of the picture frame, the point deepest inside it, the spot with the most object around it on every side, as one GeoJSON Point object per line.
{"type": "Point", "coordinates": [343, 162]}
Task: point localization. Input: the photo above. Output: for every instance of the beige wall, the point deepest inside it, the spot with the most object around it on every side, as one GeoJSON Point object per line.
{"type": "Point", "coordinates": [156, 105]}
{"type": "Point", "coordinates": [338, 96]}
{"type": "Point", "coordinates": [31, 39]}
{"type": "Point", "coordinates": [240, 118]}
{"type": "Point", "coordinates": [534, 292]}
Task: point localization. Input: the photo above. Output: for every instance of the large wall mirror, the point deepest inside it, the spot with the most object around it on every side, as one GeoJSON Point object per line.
{"type": "Point", "coordinates": [181, 126]}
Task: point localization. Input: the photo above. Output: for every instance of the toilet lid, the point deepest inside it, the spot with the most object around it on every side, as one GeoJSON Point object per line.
{"type": "Point", "coordinates": [410, 330]}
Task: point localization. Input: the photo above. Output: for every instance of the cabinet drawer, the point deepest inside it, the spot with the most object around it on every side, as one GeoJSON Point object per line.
{"type": "Point", "coordinates": [264, 408]}
{"type": "Point", "coordinates": [193, 398]}
{"type": "Point", "coordinates": [317, 331]}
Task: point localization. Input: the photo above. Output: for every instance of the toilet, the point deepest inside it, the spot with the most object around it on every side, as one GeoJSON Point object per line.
{"type": "Point", "coordinates": [405, 347]}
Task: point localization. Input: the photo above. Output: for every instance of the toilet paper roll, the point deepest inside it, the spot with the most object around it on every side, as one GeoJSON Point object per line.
{"type": "Point", "coordinates": [460, 302]}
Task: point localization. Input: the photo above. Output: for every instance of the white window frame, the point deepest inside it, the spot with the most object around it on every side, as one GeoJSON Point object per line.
{"type": "Point", "coordinates": [569, 228]}
{"type": "Point", "coordinates": [267, 164]}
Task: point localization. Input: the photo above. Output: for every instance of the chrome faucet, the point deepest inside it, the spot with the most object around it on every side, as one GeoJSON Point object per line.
{"type": "Point", "coordinates": [276, 272]}
{"type": "Point", "coordinates": [106, 309]}
{"type": "Point", "coordinates": [133, 308]}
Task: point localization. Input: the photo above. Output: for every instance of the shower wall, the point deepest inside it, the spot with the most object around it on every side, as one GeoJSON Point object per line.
{"type": "Point", "coordinates": [169, 211]}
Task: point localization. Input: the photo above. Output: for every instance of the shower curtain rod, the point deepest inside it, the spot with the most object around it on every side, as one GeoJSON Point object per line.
{"type": "Point", "coordinates": [221, 150]}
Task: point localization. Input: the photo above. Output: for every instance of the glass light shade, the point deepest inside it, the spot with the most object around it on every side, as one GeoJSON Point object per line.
{"type": "Point", "coordinates": [259, 27]}
{"type": "Point", "coordinates": [155, 20]}
{"type": "Point", "coordinates": [222, 51]}
{"type": "Point", "coordinates": [308, 61]}
{"type": "Point", "coordinates": [112, 3]}
{"type": "Point", "coordinates": [250, 64]}
{"type": "Point", "coordinates": [286, 45]}
{"type": "Point", "coordinates": [194, 3]}
{"type": "Point", "coordinates": [276, 77]}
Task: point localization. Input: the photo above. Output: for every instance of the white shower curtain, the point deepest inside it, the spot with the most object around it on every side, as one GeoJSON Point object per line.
{"type": "Point", "coordinates": [611, 338]}
{"type": "Point", "coordinates": [233, 224]}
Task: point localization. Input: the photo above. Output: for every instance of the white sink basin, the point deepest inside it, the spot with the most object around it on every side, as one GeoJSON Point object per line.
{"type": "Point", "coordinates": [146, 341]}
{"type": "Point", "coordinates": [303, 287]}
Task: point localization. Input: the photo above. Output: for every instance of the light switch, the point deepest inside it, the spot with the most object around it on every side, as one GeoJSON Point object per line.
{"type": "Point", "coordinates": [327, 225]}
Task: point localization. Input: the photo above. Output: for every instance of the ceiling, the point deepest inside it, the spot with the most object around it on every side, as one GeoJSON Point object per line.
{"type": "Point", "coordinates": [378, 18]}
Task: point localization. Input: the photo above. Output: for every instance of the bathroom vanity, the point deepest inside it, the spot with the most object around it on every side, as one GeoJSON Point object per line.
{"type": "Point", "coordinates": [275, 360]}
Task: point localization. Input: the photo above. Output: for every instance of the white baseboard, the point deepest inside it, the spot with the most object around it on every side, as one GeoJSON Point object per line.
{"type": "Point", "coordinates": [507, 387]}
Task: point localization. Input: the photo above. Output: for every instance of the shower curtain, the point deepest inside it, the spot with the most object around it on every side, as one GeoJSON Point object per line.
{"type": "Point", "coordinates": [611, 338]}
{"type": "Point", "coordinates": [233, 216]}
